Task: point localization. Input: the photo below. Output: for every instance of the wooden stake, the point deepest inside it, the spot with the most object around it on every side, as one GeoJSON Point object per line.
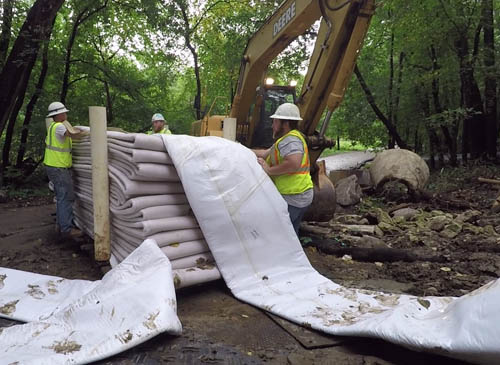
{"type": "Point", "coordinates": [100, 182]}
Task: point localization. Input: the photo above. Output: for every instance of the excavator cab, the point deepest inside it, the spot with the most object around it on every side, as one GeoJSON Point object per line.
{"type": "Point", "coordinates": [268, 98]}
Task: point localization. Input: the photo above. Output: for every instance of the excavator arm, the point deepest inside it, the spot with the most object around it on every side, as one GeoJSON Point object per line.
{"type": "Point", "coordinates": [342, 30]}
{"type": "Point", "coordinates": [343, 27]}
{"type": "Point", "coordinates": [292, 19]}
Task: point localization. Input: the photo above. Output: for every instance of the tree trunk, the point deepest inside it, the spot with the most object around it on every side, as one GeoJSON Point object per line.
{"type": "Point", "coordinates": [67, 60]}
{"type": "Point", "coordinates": [23, 85]}
{"type": "Point", "coordinates": [79, 20]}
{"type": "Point", "coordinates": [393, 133]}
{"type": "Point", "coordinates": [390, 107]}
{"type": "Point", "coordinates": [109, 104]}
{"type": "Point", "coordinates": [434, 143]}
{"type": "Point", "coordinates": [36, 29]}
{"type": "Point", "coordinates": [490, 83]}
{"type": "Point", "coordinates": [6, 30]}
{"type": "Point", "coordinates": [474, 123]}
{"type": "Point", "coordinates": [187, 39]}
{"type": "Point", "coordinates": [451, 144]}
{"type": "Point", "coordinates": [417, 141]}
{"type": "Point", "coordinates": [398, 92]}
{"type": "Point", "coordinates": [31, 105]}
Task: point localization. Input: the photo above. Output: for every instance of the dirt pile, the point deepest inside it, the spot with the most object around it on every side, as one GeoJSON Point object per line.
{"type": "Point", "coordinates": [444, 245]}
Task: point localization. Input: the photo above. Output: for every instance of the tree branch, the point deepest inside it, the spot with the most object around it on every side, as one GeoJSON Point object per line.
{"type": "Point", "coordinates": [371, 100]}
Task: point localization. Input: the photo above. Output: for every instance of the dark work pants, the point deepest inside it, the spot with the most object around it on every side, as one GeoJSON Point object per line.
{"type": "Point", "coordinates": [296, 215]}
{"type": "Point", "coordinates": [63, 187]}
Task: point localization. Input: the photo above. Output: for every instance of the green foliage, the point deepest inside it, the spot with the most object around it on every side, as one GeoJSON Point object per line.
{"type": "Point", "coordinates": [450, 116]}
{"type": "Point", "coordinates": [133, 57]}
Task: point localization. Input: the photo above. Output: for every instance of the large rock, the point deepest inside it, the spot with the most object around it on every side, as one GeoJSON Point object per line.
{"type": "Point", "coordinates": [348, 191]}
{"type": "Point", "coordinates": [363, 176]}
{"type": "Point", "coordinates": [405, 213]}
{"type": "Point", "coordinates": [399, 165]}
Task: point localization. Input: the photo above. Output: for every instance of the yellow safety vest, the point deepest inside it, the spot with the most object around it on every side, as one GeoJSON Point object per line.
{"type": "Point", "coordinates": [57, 154]}
{"type": "Point", "coordinates": [163, 131]}
{"type": "Point", "coordinates": [295, 182]}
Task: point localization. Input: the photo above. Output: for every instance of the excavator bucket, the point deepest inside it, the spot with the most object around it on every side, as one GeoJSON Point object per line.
{"type": "Point", "coordinates": [324, 203]}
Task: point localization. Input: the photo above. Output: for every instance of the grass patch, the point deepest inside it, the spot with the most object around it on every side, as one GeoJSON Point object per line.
{"type": "Point", "coordinates": [345, 146]}
{"type": "Point", "coordinates": [24, 193]}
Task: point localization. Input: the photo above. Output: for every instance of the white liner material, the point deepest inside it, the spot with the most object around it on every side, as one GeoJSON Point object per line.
{"type": "Point", "coordinates": [245, 223]}
{"type": "Point", "coordinates": [246, 226]}
{"type": "Point", "coordinates": [77, 321]}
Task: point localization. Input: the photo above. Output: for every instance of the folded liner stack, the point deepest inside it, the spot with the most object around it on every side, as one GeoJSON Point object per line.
{"type": "Point", "coordinates": [146, 200]}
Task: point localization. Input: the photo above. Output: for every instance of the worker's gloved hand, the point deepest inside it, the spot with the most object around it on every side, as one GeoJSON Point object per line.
{"type": "Point", "coordinates": [264, 164]}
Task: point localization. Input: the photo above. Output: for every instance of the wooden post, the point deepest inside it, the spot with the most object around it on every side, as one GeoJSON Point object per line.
{"type": "Point", "coordinates": [100, 182]}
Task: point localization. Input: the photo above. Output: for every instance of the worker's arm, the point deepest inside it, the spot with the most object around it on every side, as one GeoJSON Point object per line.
{"type": "Point", "coordinates": [262, 153]}
{"type": "Point", "coordinates": [75, 135]}
{"type": "Point", "coordinates": [291, 163]}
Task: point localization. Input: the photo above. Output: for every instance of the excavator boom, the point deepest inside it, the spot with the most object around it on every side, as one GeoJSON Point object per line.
{"type": "Point", "coordinates": [343, 27]}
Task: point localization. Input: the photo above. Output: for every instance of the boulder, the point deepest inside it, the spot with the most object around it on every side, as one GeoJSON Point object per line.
{"type": "Point", "coordinates": [438, 223]}
{"type": "Point", "coordinates": [363, 176]}
{"type": "Point", "coordinates": [399, 165]}
{"type": "Point", "coordinates": [468, 216]}
{"type": "Point", "coordinates": [406, 213]}
{"type": "Point", "coordinates": [451, 230]}
{"type": "Point", "coordinates": [350, 219]}
{"type": "Point", "coordinates": [348, 191]}
{"type": "Point", "coordinates": [368, 242]}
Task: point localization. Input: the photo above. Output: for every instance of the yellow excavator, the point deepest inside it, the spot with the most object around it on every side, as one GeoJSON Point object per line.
{"type": "Point", "coordinates": [342, 29]}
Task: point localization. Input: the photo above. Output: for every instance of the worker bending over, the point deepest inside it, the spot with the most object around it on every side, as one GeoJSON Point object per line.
{"type": "Point", "coordinates": [159, 126]}
{"type": "Point", "coordinates": [58, 162]}
{"type": "Point", "coordinates": [287, 162]}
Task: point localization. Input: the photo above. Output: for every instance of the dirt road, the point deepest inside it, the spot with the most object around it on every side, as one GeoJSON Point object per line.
{"type": "Point", "coordinates": [217, 328]}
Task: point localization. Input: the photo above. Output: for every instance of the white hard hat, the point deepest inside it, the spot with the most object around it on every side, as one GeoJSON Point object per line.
{"type": "Point", "coordinates": [156, 117]}
{"type": "Point", "coordinates": [56, 108]}
{"type": "Point", "coordinates": [287, 111]}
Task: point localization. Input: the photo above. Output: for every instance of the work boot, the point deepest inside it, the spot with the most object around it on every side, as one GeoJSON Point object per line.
{"type": "Point", "coordinates": [75, 233]}
{"type": "Point", "coordinates": [72, 234]}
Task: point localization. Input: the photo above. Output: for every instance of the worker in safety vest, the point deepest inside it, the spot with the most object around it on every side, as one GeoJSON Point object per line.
{"type": "Point", "coordinates": [287, 162]}
{"type": "Point", "coordinates": [159, 126]}
{"type": "Point", "coordinates": [58, 162]}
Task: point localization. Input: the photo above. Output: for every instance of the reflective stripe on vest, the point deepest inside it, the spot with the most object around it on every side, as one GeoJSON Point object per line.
{"type": "Point", "coordinates": [295, 182]}
{"type": "Point", "coordinates": [57, 154]}
{"type": "Point", "coordinates": [163, 131]}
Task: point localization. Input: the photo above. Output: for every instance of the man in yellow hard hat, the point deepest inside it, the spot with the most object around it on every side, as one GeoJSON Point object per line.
{"type": "Point", "coordinates": [159, 126]}
{"type": "Point", "coordinates": [287, 162]}
{"type": "Point", "coordinates": [58, 162]}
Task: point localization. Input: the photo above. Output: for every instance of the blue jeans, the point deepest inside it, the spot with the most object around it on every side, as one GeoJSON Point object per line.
{"type": "Point", "coordinates": [296, 215]}
{"type": "Point", "coordinates": [63, 187]}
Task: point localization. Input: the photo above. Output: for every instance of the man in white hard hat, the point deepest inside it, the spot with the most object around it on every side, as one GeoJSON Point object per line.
{"type": "Point", "coordinates": [287, 162]}
{"type": "Point", "coordinates": [58, 162]}
{"type": "Point", "coordinates": [159, 126]}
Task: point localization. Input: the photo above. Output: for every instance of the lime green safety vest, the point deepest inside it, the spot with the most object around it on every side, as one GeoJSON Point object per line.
{"type": "Point", "coordinates": [163, 131]}
{"type": "Point", "coordinates": [57, 154]}
{"type": "Point", "coordinates": [295, 182]}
